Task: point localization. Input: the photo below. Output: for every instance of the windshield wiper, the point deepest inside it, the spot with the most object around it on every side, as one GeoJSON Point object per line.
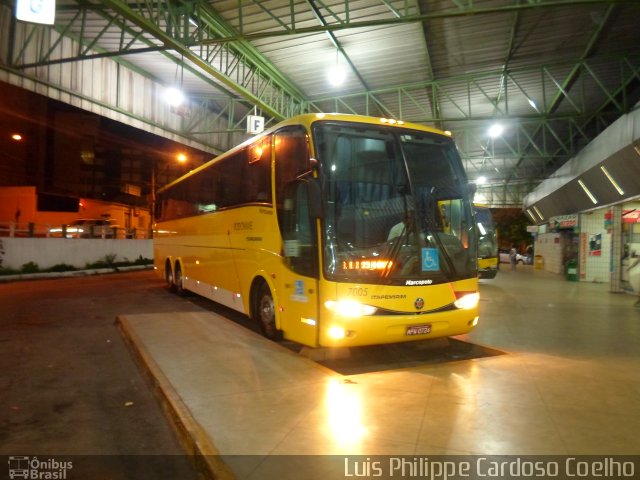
{"type": "Point", "coordinates": [393, 253]}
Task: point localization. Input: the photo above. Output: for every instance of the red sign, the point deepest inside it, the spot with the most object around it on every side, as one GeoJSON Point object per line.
{"type": "Point", "coordinates": [631, 216]}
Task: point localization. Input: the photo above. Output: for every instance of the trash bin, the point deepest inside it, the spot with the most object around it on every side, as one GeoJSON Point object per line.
{"type": "Point", "coordinates": [572, 271]}
{"type": "Point", "coordinates": [538, 262]}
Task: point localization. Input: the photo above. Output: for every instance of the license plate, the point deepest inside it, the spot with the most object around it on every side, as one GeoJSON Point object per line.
{"type": "Point", "coordinates": [419, 329]}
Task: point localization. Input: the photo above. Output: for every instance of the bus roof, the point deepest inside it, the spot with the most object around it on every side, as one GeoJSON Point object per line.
{"type": "Point", "coordinates": [306, 120]}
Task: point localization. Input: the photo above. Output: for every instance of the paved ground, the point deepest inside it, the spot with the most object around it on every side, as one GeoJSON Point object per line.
{"type": "Point", "coordinates": [69, 384]}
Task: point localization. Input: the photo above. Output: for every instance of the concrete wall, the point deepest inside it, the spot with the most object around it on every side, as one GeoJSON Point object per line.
{"type": "Point", "coordinates": [47, 252]}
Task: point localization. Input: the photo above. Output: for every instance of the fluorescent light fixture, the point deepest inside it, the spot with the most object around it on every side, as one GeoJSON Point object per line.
{"type": "Point", "coordinates": [538, 212]}
{"type": "Point", "coordinates": [533, 104]}
{"type": "Point", "coordinates": [613, 182]}
{"type": "Point", "coordinates": [588, 192]}
{"type": "Point", "coordinates": [533, 218]}
{"type": "Point", "coordinates": [495, 130]}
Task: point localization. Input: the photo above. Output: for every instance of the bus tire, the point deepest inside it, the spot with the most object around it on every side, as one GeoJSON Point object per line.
{"type": "Point", "coordinates": [265, 313]}
{"type": "Point", "coordinates": [168, 277]}
{"type": "Point", "coordinates": [178, 280]}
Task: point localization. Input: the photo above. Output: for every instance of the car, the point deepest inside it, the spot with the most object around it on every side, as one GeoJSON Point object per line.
{"type": "Point", "coordinates": [86, 228]}
{"type": "Point", "coordinates": [520, 258]}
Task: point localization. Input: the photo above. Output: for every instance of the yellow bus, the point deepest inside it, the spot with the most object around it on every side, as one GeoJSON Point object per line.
{"type": "Point", "coordinates": [330, 231]}
{"type": "Point", "coordinates": [488, 261]}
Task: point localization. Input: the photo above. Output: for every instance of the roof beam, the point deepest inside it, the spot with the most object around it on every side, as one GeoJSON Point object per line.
{"type": "Point", "coordinates": [471, 9]}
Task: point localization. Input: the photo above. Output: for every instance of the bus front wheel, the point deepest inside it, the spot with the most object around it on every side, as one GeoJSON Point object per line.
{"type": "Point", "coordinates": [265, 313]}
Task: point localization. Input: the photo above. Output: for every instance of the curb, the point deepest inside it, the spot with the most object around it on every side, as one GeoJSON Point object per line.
{"type": "Point", "coordinates": [205, 456]}
{"type": "Point", "coordinates": [71, 273]}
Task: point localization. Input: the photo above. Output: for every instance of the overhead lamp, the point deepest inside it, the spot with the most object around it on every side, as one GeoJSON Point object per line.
{"type": "Point", "coordinates": [613, 182]}
{"type": "Point", "coordinates": [336, 74]}
{"type": "Point", "coordinates": [533, 104]}
{"type": "Point", "coordinates": [481, 180]}
{"type": "Point", "coordinates": [531, 215]}
{"type": "Point", "coordinates": [174, 96]}
{"type": "Point", "coordinates": [16, 136]}
{"type": "Point", "coordinates": [588, 192]}
{"type": "Point", "coordinates": [181, 157]}
{"type": "Point", "coordinates": [495, 130]}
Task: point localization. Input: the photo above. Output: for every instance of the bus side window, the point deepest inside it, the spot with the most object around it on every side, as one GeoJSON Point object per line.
{"type": "Point", "coordinates": [292, 157]}
{"type": "Point", "coordinates": [298, 232]}
{"type": "Point", "coordinates": [292, 160]}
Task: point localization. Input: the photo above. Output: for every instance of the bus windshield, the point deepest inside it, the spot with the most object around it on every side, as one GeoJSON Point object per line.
{"type": "Point", "coordinates": [487, 238]}
{"type": "Point", "coordinates": [397, 206]}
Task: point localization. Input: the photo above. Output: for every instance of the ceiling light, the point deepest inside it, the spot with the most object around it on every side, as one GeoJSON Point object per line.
{"type": "Point", "coordinates": [173, 96]}
{"type": "Point", "coordinates": [588, 192]}
{"type": "Point", "coordinates": [532, 216]}
{"type": "Point", "coordinates": [481, 180]}
{"type": "Point", "coordinates": [336, 76]}
{"type": "Point", "coordinates": [538, 212]}
{"type": "Point", "coordinates": [495, 130]}
{"type": "Point", "coordinates": [533, 104]}
{"type": "Point", "coordinates": [16, 136]}
{"type": "Point", "coordinates": [613, 182]}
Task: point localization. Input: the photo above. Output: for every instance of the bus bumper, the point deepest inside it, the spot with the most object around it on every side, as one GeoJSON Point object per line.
{"type": "Point", "coordinates": [383, 329]}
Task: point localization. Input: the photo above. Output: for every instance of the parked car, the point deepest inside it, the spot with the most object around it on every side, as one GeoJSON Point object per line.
{"type": "Point", "coordinates": [520, 258]}
{"type": "Point", "coordinates": [87, 228]}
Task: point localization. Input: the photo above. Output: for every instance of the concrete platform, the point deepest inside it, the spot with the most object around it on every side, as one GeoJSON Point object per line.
{"type": "Point", "coordinates": [554, 371]}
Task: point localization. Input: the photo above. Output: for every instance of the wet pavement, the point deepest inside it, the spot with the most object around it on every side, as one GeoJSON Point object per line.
{"type": "Point", "coordinates": [69, 384]}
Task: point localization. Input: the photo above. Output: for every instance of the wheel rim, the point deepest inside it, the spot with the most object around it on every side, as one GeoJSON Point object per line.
{"type": "Point", "coordinates": [178, 279]}
{"type": "Point", "coordinates": [267, 315]}
{"type": "Point", "coordinates": [168, 276]}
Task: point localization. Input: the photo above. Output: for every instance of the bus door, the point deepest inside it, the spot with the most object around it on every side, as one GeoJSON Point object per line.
{"type": "Point", "coordinates": [297, 283]}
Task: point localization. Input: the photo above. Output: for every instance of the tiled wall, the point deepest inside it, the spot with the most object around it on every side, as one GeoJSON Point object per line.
{"type": "Point", "coordinates": [549, 245]}
{"type": "Point", "coordinates": [597, 266]}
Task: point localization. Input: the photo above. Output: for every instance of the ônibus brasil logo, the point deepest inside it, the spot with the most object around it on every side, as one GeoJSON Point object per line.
{"type": "Point", "coordinates": [33, 468]}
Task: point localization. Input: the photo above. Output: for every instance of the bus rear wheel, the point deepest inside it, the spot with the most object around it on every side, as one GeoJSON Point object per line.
{"type": "Point", "coordinates": [168, 276]}
{"type": "Point", "coordinates": [265, 313]}
{"type": "Point", "coordinates": [179, 281]}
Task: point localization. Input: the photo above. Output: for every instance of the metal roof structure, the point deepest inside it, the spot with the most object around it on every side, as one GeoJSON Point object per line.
{"type": "Point", "coordinates": [553, 73]}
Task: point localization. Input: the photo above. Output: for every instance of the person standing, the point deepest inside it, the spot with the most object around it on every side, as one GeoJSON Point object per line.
{"type": "Point", "coordinates": [512, 257]}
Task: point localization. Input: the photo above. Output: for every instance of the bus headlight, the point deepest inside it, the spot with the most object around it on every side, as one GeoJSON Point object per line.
{"type": "Point", "coordinates": [467, 300]}
{"type": "Point", "coordinates": [350, 308]}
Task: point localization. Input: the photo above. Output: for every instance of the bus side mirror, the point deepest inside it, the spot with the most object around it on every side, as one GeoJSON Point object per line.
{"type": "Point", "coordinates": [314, 193]}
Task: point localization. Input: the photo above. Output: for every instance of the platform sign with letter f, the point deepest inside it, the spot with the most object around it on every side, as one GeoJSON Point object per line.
{"type": "Point", "coordinates": [255, 124]}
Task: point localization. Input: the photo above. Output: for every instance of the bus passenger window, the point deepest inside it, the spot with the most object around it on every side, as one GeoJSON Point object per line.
{"type": "Point", "coordinates": [257, 172]}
